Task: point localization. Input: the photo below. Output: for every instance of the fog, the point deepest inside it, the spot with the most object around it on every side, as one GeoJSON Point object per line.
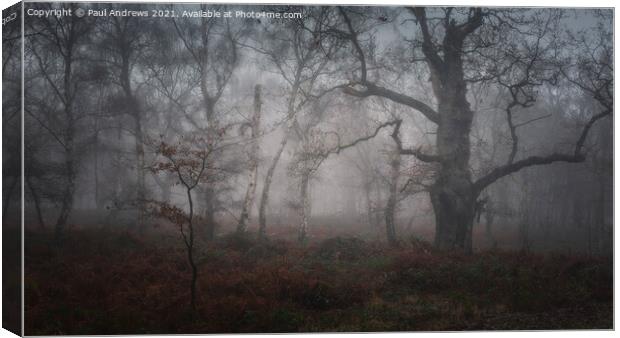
{"type": "Point", "coordinates": [104, 93]}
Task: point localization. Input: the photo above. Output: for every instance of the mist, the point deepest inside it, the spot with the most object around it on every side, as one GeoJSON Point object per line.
{"type": "Point", "coordinates": [446, 130]}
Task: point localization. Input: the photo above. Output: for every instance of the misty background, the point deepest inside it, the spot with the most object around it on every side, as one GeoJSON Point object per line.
{"type": "Point", "coordinates": [113, 104]}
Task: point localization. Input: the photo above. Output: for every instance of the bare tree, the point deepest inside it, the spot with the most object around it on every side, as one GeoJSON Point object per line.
{"type": "Point", "coordinates": [212, 46]}
{"type": "Point", "coordinates": [190, 161]}
{"type": "Point", "coordinates": [123, 43]}
{"type": "Point", "coordinates": [55, 52]}
{"type": "Point", "coordinates": [302, 59]}
{"type": "Point", "coordinates": [11, 122]}
{"type": "Point", "coordinates": [450, 38]}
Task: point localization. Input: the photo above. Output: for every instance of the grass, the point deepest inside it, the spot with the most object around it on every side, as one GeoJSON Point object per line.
{"type": "Point", "coordinates": [105, 282]}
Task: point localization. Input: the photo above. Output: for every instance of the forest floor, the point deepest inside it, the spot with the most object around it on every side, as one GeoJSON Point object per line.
{"type": "Point", "coordinates": [106, 282]}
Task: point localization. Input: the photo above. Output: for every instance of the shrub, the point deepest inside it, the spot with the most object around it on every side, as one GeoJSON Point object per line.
{"type": "Point", "coordinates": [344, 248]}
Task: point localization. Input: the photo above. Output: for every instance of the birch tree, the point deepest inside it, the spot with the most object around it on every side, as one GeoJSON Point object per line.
{"type": "Point", "coordinates": [253, 154]}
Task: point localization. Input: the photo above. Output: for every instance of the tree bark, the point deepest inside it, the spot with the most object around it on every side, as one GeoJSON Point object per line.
{"type": "Point", "coordinates": [452, 194]}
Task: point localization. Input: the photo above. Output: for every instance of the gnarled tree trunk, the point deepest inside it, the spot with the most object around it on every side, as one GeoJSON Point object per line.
{"type": "Point", "coordinates": [452, 194]}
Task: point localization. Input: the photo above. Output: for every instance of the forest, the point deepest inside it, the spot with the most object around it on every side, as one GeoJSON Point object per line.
{"type": "Point", "coordinates": [313, 169]}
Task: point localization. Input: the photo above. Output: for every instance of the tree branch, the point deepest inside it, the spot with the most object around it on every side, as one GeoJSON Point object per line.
{"type": "Point", "coordinates": [356, 44]}
{"type": "Point", "coordinates": [514, 167]}
{"type": "Point", "coordinates": [415, 152]}
{"type": "Point", "coordinates": [428, 47]}
{"type": "Point", "coordinates": [339, 148]}
{"type": "Point", "coordinates": [375, 90]}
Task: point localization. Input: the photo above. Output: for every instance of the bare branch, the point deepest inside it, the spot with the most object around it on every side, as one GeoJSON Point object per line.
{"type": "Point", "coordinates": [415, 152]}
{"type": "Point", "coordinates": [514, 167]}
{"type": "Point", "coordinates": [375, 90]}
{"type": "Point", "coordinates": [340, 148]}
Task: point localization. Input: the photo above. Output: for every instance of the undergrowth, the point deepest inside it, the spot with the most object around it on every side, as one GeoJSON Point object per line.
{"type": "Point", "coordinates": [103, 282]}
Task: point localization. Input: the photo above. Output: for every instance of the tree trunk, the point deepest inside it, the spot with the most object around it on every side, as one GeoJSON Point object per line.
{"type": "Point", "coordinates": [305, 207]}
{"type": "Point", "coordinates": [452, 194]}
{"type": "Point", "coordinates": [254, 154]}
{"type": "Point", "coordinates": [68, 194]}
{"type": "Point", "coordinates": [37, 202]}
{"type": "Point", "coordinates": [67, 198]}
{"type": "Point", "coordinates": [134, 110]}
{"type": "Point", "coordinates": [209, 214]}
{"type": "Point", "coordinates": [390, 207]}
{"type": "Point", "coordinates": [454, 214]}
{"type": "Point", "coordinates": [140, 172]}
{"type": "Point", "coordinates": [8, 195]}
{"type": "Point", "coordinates": [378, 207]}
{"type": "Point", "coordinates": [97, 194]}
{"type": "Point", "coordinates": [264, 200]}
{"type": "Point", "coordinates": [489, 217]}
{"type": "Point", "coordinates": [600, 215]}
{"type": "Point", "coordinates": [209, 192]}
{"type": "Point", "coordinates": [368, 198]}
{"type": "Point", "coordinates": [189, 243]}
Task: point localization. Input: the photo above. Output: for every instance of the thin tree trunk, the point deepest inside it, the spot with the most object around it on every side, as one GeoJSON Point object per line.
{"type": "Point", "coordinates": [368, 193]}
{"type": "Point", "coordinates": [209, 214]}
{"type": "Point", "coordinates": [390, 207]}
{"type": "Point", "coordinates": [305, 207]}
{"type": "Point", "coordinates": [254, 154]}
{"type": "Point", "coordinates": [7, 197]}
{"type": "Point", "coordinates": [190, 251]}
{"type": "Point", "coordinates": [600, 219]}
{"type": "Point", "coordinates": [291, 111]}
{"type": "Point", "coordinates": [134, 110]}
{"type": "Point", "coordinates": [378, 208]}
{"type": "Point", "coordinates": [98, 201]}
{"type": "Point", "coordinates": [489, 218]}
{"type": "Point", "coordinates": [37, 202]}
{"type": "Point", "coordinates": [209, 192]}
{"type": "Point", "coordinates": [140, 172]}
{"type": "Point", "coordinates": [264, 200]}
{"type": "Point", "coordinates": [67, 198]}
{"type": "Point", "coordinates": [68, 194]}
